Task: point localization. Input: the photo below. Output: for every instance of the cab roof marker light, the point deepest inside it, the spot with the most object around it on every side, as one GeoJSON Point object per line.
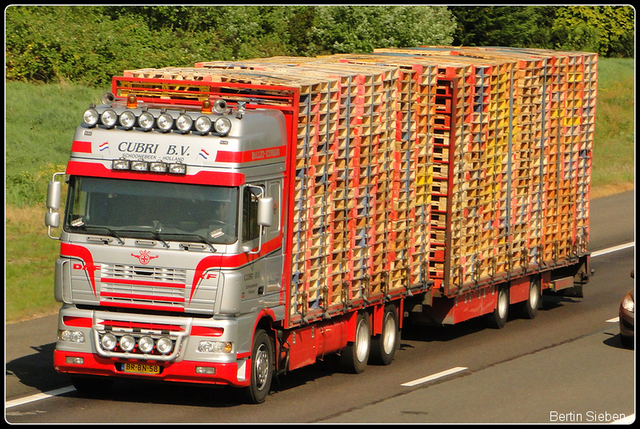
{"type": "Point", "coordinates": [158, 167]}
{"type": "Point", "coordinates": [132, 102]}
{"type": "Point", "coordinates": [177, 168]}
{"type": "Point", "coordinates": [139, 166]}
{"type": "Point", "coordinates": [120, 164]}
{"type": "Point", "coordinates": [207, 107]}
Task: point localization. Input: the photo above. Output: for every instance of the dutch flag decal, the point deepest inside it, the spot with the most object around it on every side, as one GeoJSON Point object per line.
{"type": "Point", "coordinates": [104, 146]}
{"type": "Point", "coordinates": [203, 153]}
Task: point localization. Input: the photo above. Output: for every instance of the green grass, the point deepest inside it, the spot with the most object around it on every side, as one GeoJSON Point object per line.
{"type": "Point", "coordinates": [41, 119]}
{"type": "Point", "coordinates": [614, 146]}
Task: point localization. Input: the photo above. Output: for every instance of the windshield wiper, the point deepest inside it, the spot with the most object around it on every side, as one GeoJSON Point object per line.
{"type": "Point", "coordinates": [200, 238]}
{"type": "Point", "coordinates": [109, 230]}
{"type": "Point", "coordinates": [155, 234]}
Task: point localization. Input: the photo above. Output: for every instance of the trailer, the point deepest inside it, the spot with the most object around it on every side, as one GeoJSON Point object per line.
{"type": "Point", "coordinates": [235, 220]}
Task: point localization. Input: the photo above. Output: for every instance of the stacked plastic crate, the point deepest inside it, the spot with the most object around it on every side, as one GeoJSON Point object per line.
{"type": "Point", "coordinates": [450, 165]}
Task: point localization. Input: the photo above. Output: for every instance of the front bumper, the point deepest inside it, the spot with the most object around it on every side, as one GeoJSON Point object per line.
{"type": "Point", "coordinates": [233, 373]}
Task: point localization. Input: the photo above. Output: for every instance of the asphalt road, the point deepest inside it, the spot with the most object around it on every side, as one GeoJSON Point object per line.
{"type": "Point", "coordinates": [566, 365]}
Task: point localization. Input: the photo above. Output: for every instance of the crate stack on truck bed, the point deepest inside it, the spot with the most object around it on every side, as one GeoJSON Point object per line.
{"type": "Point", "coordinates": [439, 168]}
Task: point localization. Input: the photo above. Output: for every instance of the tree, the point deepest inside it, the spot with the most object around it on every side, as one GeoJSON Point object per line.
{"type": "Point", "coordinates": [345, 29]}
{"type": "Point", "coordinates": [607, 30]}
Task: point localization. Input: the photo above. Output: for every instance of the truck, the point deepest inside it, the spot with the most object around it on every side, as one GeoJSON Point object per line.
{"type": "Point", "coordinates": [236, 220]}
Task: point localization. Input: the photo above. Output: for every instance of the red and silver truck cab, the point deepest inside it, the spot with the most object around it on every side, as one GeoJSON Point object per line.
{"type": "Point", "coordinates": [172, 210]}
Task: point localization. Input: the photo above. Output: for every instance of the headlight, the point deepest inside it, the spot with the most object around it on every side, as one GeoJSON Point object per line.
{"type": "Point", "coordinates": [184, 123]}
{"type": "Point", "coordinates": [145, 344]}
{"type": "Point", "coordinates": [108, 341]}
{"type": "Point", "coordinates": [109, 118]}
{"type": "Point", "coordinates": [207, 346]}
{"type": "Point", "coordinates": [203, 125]}
{"type": "Point", "coordinates": [165, 122]}
{"type": "Point", "coordinates": [164, 345]}
{"type": "Point", "coordinates": [145, 121]}
{"type": "Point", "coordinates": [71, 336]}
{"type": "Point", "coordinates": [127, 343]}
{"type": "Point", "coordinates": [222, 126]}
{"type": "Point", "coordinates": [91, 117]}
{"type": "Point", "coordinates": [127, 119]}
{"type": "Point", "coordinates": [627, 303]}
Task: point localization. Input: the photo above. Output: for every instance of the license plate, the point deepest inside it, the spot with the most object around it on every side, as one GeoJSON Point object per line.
{"type": "Point", "coordinates": [141, 368]}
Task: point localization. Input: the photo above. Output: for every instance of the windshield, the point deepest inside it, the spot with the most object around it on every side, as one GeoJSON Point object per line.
{"type": "Point", "coordinates": [164, 211]}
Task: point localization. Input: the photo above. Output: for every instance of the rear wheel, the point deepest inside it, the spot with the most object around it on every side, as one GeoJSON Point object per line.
{"type": "Point", "coordinates": [353, 358]}
{"type": "Point", "coordinates": [384, 346]}
{"type": "Point", "coordinates": [262, 363]}
{"type": "Point", "coordinates": [530, 307]}
{"type": "Point", "coordinates": [498, 318]}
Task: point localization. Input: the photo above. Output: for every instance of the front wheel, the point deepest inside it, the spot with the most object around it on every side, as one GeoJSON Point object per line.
{"type": "Point", "coordinates": [262, 363]}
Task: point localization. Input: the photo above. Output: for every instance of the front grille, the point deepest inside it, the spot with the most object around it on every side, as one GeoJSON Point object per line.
{"type": "Point", "coordinates": [143, 287]}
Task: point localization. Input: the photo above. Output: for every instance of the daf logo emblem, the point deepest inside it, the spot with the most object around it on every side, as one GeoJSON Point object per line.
{"type": "Point", "coordinates": [144, 257]}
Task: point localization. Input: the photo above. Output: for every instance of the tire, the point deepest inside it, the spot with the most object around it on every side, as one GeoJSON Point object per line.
{"type": "Point", "coordinates": [92, 386]}
{"type": "Point", "coordinates": [529, 308]}
{"type": "Point", "coordinates": [384, 346]}
{"type": "Point", "coordinates": [262, 364]}
{"type": "Point", "coordinates": [354, 357]}
{"type": "Point", "coordinates": [498, 318]}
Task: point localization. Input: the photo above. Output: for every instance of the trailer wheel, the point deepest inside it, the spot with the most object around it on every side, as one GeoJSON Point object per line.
{"type": "Point", "coordinates": [384, 346]}
{"type": "Point", "coordinates": [529, 308]}
{"type": "Point", "coordinates": [262, 361]}
{"type": "Point", "coordinates": [354, 356]}
{"type": "Point", "coordinates": [498, 318]}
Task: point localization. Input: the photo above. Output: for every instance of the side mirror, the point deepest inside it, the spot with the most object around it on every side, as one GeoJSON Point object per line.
{"type": "Point", "coordinates": [265, 211]}
{"type": "Point", "coordinates": [52, 217]}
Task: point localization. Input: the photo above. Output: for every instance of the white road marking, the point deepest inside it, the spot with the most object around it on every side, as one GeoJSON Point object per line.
{"type": "Point", "coordinates": [612, 249]}
{"type": "Point", "coordinates": [39, 396]}
{"type": "Point", "coordinates": [614, 320]}
{"type": "Point", "coordinates": [434, 376]}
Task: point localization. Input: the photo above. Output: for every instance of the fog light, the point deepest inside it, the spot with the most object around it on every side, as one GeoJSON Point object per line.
{"type": "Point", "coordinates": [205, 370]}
{"type": "Point", "coordinates": [183, 123]}
{"type": "Point", "coordinates": [109, 118]}
{"type": "Point", "coordinates": [164, 345]}
{"type": "Point", "coordinates": [222, 126]}
{"type": "Point", "coordinates": [127, 343]}
{"type": "Point", "coordinates": [145, 344]}
{"type": "Point", "coordinates": [203, 125]}
{"type": "Point", "coordinates": [127, 119]}
{"type": "Point", "coordinates": [108, 342]}
{"type": "Point", "coordinates": [91, 117]}
{"type": "Point", "coordinates": [74, 360]}
{"type": "Point", "coordinates": [145, 121]}
{"type": "Point", "coordinates": [165, 122]}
